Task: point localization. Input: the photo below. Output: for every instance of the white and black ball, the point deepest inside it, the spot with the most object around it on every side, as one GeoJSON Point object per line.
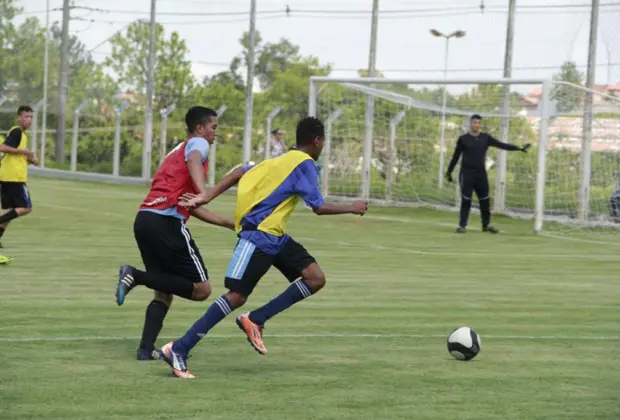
{"type": "Point", "coordinates": [464, 343]}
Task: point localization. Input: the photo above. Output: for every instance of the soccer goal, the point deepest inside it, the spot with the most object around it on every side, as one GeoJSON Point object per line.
{"type": "Point", "coordinates": [390, 141]}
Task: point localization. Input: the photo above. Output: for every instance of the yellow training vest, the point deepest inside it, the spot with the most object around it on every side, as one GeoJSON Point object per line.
{"type": "Point", "coordinates": [14, 168]}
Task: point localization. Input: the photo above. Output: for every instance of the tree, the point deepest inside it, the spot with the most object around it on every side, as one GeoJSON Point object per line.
{"type": "Point", "coordinates": [129, 61]}
{"type": "Point", "coordinates": [8, 10]}
{"type": "Point", "coordinates": [568, 98]}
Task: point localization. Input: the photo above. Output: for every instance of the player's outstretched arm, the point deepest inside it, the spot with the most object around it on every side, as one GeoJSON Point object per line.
{"type": "Point", "coordinates": [507, 146]}
{"type": "Point", "coordinates": [208, 216]}
{"type": "Point", "coordinates": [358, 207]}
{"type": "Point", "coordinates": [193, 201]}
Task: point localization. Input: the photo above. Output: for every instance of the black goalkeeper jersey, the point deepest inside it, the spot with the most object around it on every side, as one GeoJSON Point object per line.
{"type": "Point", "coordinates": [474, 150]}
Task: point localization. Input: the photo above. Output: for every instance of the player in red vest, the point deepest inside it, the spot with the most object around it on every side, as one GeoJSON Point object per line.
{"type": "Point", "coordinates": [170, 255]}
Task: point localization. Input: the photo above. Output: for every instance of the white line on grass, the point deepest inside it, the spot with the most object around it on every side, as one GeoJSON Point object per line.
{"type": "Point", "coordinates": [311, 335]}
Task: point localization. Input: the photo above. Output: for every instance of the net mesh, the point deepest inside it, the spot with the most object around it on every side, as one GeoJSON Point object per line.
{"type": "Point", "coordinates": [408, 166]}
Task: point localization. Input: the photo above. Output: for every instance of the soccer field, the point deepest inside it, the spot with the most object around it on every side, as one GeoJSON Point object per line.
{"type": "Point", "coordinates": [371, 345]}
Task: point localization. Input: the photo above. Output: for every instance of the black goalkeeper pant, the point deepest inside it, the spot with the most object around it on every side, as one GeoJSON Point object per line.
{"type": "Point", "coordinates": [479, 183]}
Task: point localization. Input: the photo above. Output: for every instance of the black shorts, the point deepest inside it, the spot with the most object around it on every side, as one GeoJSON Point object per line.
{"type": "Point", "coordinates": [249, 264]}
{"type": "Point", "coordinates": [14, 195]}
{"type": "Point", "coordinates": [167, 247]}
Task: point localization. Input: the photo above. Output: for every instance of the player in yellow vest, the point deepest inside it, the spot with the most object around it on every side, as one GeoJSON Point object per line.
{"type": "Point", "coordinates": [14, 160]}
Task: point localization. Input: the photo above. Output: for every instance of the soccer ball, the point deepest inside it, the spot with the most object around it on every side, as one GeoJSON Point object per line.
{"type": "Point", "coordinates": [464, 343]}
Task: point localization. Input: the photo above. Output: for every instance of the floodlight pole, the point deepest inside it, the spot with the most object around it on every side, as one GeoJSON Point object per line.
{"type": "Point", "coordinates": [370, 105]}
{"type": "Point", "coordinates": [35, 123]}
{"type": "Point", "coordinates": [442, 141]}
{"type": "Point", "coordinates": [117, 139]}
{"type": "Point", "coordinates": [502, 155]}
{"type": "Point", "coordinates": [327, 149]}
{"type": "Point", "coordinates": [270, 118]}
{"type": "Point", "coordinates": [213, 150]}
{"type": "Point", "coordinates": [389, 175]}
{"type": "Point", "coordinates": [74, 140]}
{"type": "Point", "coordinates": [586, 145]}
{"type": "Point", "coordinates": [164, 130]}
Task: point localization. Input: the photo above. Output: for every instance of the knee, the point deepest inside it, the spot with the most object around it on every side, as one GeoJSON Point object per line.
{"type": "Point", "coordinates": [314, 277]}
{"type": "Point", "coordinates": [236, 300]}
{"type": "Point", "coordinates": [201, 291]}
{"type": "Point", "coordinates": [23, 211]}
{"type": "Point", "coordinates": [164, 298]}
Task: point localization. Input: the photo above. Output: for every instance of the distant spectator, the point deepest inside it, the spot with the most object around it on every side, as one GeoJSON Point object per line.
{"type": "Point", "coordinates": [277, 144]}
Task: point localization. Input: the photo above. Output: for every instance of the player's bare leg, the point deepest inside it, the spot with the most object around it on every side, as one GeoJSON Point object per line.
{"type": "Point", "coordinates": [9, 215]}
{"type": "Point", "coordinates": [252, 323]}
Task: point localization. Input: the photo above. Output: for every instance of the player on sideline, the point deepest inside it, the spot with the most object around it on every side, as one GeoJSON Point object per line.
{"type": "Point", "coordinates": [473, 177]}
{"type": "Point", "coordinates": [14, 160]}
{"type": "Point", "coordinates": [266, 196]}
{"type": "Point", "coordinates": [171, 258]}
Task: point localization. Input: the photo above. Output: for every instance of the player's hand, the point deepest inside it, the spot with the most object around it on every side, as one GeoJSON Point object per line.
{"type": "Point", "coordinates": [192, 201]}
{"type": "Point", "coordinates": [449, 178]}
{"type": "Point", "coordinates": [29, 155]}
{"type": "Point", "coordinates": [34, 161]}
{"type": "Point", "coordinates": [360, 207]}
{"type": "Point", "coordinates": [525, 147]}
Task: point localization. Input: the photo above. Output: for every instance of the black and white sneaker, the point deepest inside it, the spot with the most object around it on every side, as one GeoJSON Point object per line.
{"type": "Point", "coordinates": [125, 283]}
{"type": "Point", "coordinates": [461, 229]}
{"type": "Point", "coordinates": [490, 229]}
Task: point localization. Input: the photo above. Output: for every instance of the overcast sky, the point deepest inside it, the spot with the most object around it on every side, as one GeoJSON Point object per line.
{"type": "Point", "coordinates": [544, 36]}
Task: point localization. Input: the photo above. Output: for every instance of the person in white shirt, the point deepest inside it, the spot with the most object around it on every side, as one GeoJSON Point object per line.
{"type": "Point", "coordinates": [277, 144]}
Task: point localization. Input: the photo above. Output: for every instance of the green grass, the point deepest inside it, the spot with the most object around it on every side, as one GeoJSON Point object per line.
{"type": "Point", "coordinates": [546, 309]}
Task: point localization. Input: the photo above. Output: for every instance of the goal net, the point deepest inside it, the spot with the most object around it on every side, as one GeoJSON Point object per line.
{"type": "Point", "coordinates": [391, 141]}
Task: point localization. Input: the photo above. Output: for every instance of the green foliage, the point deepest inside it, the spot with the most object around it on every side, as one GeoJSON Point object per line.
{"type": "Point", "coordinates": [568, 98]}
{"type": "Point", "coordinates": [129, 61]}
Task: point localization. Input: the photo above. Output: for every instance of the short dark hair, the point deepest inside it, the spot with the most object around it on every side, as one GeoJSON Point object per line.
{"type": "Point", "coordinates": [475, 117]}
{"type": "Point", "coordinates": [308, 129]}
{"type": "Point", "coordinates": [23, 108]}
{"type": "Point", "coordinates": [274, 132]}
{"type": "Point", "coordinates": [198, 115]}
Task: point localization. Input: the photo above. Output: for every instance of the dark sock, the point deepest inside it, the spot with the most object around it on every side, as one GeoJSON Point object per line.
{"type": "Point", "coordinates": [2, 231]}
{"type": "Point", "coordinates": [8, 216]}
{"type": "Point", "coordinates": [165, 283]}
{"type": "Point", "coordinates": [218, 310]}
{"type": "Point", "coordinates": [485, 212]}
{"type": "Point", "coordinates": [153, 323]}
{"type": "Point", "coordinates": [297, 291]}
{"type": "Point", "coordinates": [464, 215]}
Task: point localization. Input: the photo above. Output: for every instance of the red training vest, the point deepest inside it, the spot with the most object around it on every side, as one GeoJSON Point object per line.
{"type": "Point", "coordinates": [171, 181]}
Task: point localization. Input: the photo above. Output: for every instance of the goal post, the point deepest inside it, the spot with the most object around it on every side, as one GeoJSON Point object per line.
{"type": "Point", "coordinates": [403, 159]}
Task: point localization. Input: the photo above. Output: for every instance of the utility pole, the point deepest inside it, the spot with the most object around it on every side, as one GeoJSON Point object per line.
{"type": "Point", "coordinates": [150, 90]}
{"type": "Point", "coordinates": [586, 147]}
{"type": "Point", "coordinates": [45, 78]}
{"type": "Point", "coordinates": [370, 103]}
{"type": "Point", "coordinates": [444, 100]}
{"type": "Point", "coordinates": [502, 155]}
{"type": "Point", "coordinates": [249, 93]}
{"type": "Point", "coordinates": [62, 94]}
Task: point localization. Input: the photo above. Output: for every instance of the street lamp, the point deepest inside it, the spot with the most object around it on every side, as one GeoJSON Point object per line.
{"type": "Point", "coordinates": [442, 144]}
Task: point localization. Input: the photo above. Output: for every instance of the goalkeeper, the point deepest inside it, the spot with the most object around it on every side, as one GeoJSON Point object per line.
{"type": "Point", "coordinates": [473, 176]}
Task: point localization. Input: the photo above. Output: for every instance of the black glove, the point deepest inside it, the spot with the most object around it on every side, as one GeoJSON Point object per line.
{"type": "Point", "coordinates": [449, 177]}
{"type": "Point", "coordinates": [525, 147]}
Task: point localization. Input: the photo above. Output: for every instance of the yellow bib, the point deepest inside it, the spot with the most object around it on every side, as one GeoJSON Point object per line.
{"type": "Point", "coordinates": [258, 184]}
{"type": "Point", "coordinates": [14, 168]}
